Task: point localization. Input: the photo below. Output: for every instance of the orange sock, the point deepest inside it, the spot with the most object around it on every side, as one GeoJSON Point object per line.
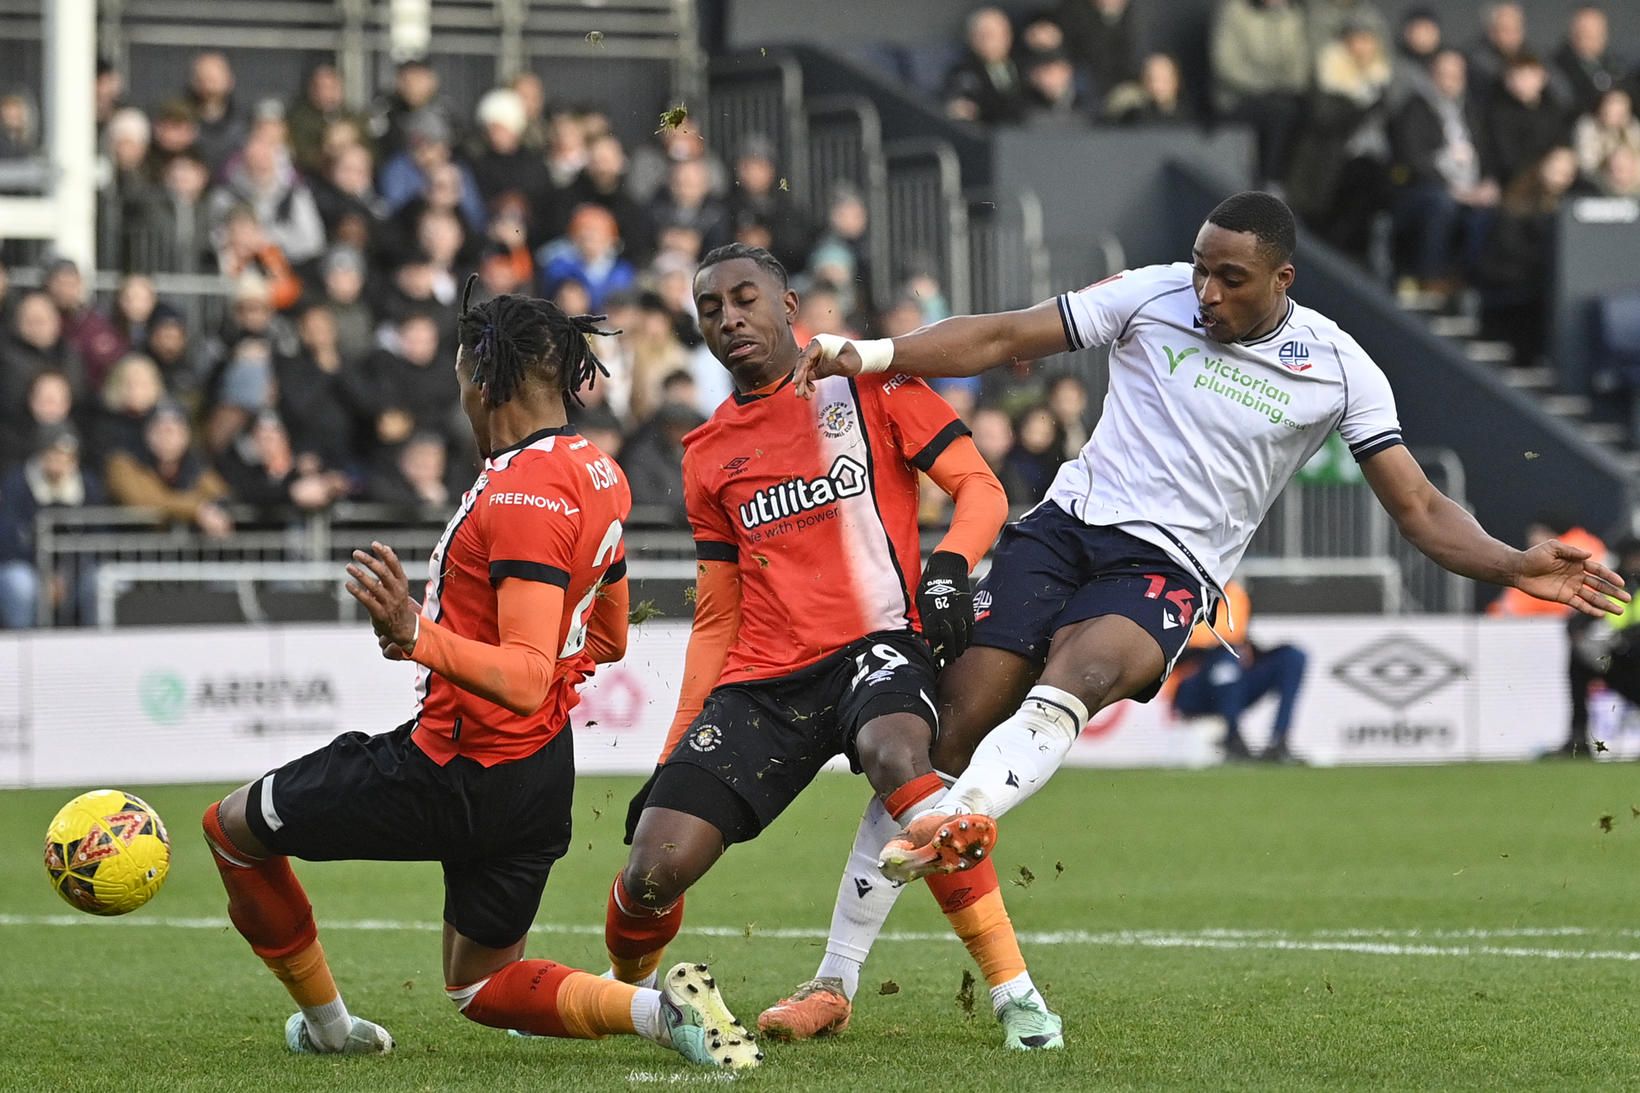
{"type": "Point", "coordinates": [268, 907]}
{"type": "Point", "coordinates": [912, 794]}
{"type": "Point", "coordinates": [972, 902]}
{"type": "Point", "coordinates": [548, 999]}
{"type": "Point", "coordinates": [636, 936]}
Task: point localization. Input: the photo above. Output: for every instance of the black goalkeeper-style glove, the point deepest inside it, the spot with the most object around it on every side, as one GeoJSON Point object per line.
{"type": "Point", "coordinates": [946, 605]}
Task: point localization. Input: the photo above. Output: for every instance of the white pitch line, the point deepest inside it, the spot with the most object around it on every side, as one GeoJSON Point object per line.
{"type": "Point", "coordinates": [1364, 942]}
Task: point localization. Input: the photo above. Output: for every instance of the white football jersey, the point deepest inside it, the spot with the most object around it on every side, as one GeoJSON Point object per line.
{"type": "Point", "coordinates": [1198, 437]}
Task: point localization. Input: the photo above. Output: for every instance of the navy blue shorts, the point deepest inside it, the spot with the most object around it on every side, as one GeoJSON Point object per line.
{"type": "Point", "coordinates": [1050, 570]}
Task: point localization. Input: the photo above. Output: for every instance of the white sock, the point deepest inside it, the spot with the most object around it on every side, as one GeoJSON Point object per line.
{"type": "Point", "coordinates": [647, 981]}
{"type": "Point", "coordinates": [1020, 986]}
{"type": "Point", "coordinates": [329, 1024]}
{"type": "Point", "coordinates": [864, 896]}
{"type": "Point", "coordinates": [646, 1016]}
{"type": "Point", "coordinates": [1019, 756]}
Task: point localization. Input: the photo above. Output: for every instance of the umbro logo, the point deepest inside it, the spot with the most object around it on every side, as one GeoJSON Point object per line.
{"type": "Point", "coordinates": [1294, 356]}
{"type": "Point", "coordinates": [737, 464]}
{"type": "Point", "coordinates": [940, 586]}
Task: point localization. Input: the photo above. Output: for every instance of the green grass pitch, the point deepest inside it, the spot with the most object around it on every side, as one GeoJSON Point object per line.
{"type": "Point", "coordinates": [1433, 928]}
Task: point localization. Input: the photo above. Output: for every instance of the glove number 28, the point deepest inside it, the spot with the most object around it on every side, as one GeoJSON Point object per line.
{"type": "Point", "coordinates": [891, 659]}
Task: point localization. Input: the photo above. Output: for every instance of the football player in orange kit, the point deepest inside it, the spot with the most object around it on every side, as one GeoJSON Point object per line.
{"type": "Point", "coordinates": [526, 594]}
{"type": "Point", "coordinates": [817, 633]}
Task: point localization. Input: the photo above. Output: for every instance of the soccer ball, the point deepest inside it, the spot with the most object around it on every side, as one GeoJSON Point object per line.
{"type": "Point", "coordinates": [107, 852]}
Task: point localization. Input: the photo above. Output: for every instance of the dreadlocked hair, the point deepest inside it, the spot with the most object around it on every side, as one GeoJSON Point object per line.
{"type": "Point", "coordinates": [512, 339]}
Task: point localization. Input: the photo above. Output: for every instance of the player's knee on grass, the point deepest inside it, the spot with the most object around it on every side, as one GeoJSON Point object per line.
{"type": "Point", "coordinates": [893, 749]}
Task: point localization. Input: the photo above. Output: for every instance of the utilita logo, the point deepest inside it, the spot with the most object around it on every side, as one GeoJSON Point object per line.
{"type": "Point", "coordinates": [847, 478]}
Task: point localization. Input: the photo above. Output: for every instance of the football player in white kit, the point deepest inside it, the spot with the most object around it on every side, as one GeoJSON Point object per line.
{"type": "Point", "coordinates": [1221, 388]}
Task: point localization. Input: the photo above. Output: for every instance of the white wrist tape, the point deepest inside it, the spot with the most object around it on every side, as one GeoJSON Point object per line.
{"type": "Point", "coordinates": [876, 354]}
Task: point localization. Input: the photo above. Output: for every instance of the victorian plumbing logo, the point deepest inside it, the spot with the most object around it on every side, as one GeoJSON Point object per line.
{"type": "Point", "coordinates": [1226, 380]}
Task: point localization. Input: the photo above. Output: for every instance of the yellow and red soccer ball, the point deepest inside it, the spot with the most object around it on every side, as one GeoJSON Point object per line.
{"type": "Point", "coordinates": [107, 852]}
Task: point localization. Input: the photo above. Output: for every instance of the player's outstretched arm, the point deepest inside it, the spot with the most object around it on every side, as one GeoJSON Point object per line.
{"type": "Point", "coordinates": [963, 345]}
{"type": "Point", "coordinates": [608, 626]}
{"type": "Point", "coordinates": [716, 625]}
{"type": "Point", "coordinates": [1446, 532]}
{"type": "Point", "coordinates": [515, 674]}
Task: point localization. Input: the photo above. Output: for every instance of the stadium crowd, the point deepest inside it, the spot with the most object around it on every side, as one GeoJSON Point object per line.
{"type": "Point", "coordinates": [1466, 145]}
{"type": "Point", "coordinates": [347, 229]}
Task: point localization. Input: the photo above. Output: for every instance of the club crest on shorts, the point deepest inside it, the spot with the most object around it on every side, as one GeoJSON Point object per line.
{"type": "Point", "coordinates": [836, 419]}
{"type": "Point", "coordinates": [706, 738]}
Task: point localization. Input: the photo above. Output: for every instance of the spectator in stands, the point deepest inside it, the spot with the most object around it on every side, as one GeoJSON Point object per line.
{"type": "Point", "coordinates": [1610, 126]}
{"type": "Point", "coordinates": [175, 131]}
{"type": "Point", "coordinates": [19, 127]}
{"type": "Point", "coordinates": [1227, 681]}
{"type": "Point", "coordinates": [324, 395]}
{"type": "Point", "coordinates": [1620, 174]}
{"type": "Point", "coordinates": [1340, 179]}
{"type": "Point", "coordinates": [1100, 38]}
{"type": "Point", "coordinates": [566, 150]}
{"type": "Point", "coordinates": [687, 203]}
{"type": "Point", "coordinates": [170, 229]}
{"type": "Point", "coordinates": [86, 330]}
{"type": "Point", "coordinates": [534, 95]}
{"type": "Point", "coordinates": [414, 96]}
{"type": "Point", "coordinates": [415, 480]}
{"type": "Point", "coordinates": [847, 225]}
{"type": "Point", "coordinates": [244, 390]}
{"type": "Point", "coordinates": [760, 194]}
{"type": "Point", "coordinates": [169, 476]}
{"type": "Point", "coordinates": [1522, 121]}
{"type": "Point", "coordinates": [1415, 49]}
{"type": "Point", "coordinates": [263, 179]}
{"type": "Point", "coordinates": [652, 162]}
{"type": "Point", "coordinates": [1156, 99]}
{"type": "Point", "coordinates": [415, 389]}
{"type": "Point", "coordinates": [425, 162]}
{"type": "Point", "coordinates": [108, 93]}
{"type": "Point", "coordinates": [1067, 401]}
{"type": "Point", "coordinates": [135, 386]}
{"type": "Point", "coordinates": [128, 186]}
{"type": "Point", "coordinates": [820, 311]}
{"type": "Point", "coordinates": [1261, 71]}
{"type": "Point", "coordinates": [603, 181]}
{"type": "Point", "coordinates": [134, 305]}
{"type": "Point", "coordinates": [51, 478]}
{"type": "Point", "coordinates": [1444, 198]}
{"type": "Point", "coordinates": [352, 211]}
{"type": "Point", "coordinates": [653, 460]}
{"type": "Point", "coordinates": [245, 251]}
{"type": "Point", "coordinates": [994, 437]}
{"type": "Point", "coordinates": [1503, 39]}
{"type": "Point", "coordinates": [48, 404]}
{"type": "Point", "coordinates": [169, 346]}
{"type": "Point", "coordinates": [8, 298]}
{"type": "Point", "coordinates": [221, 127]}
{"type": "Point", "coordinates": [500, 162]}
{"type": "Point", "coordinates": [1050, 90]}
{"type": "Point", "coordinates": [443, 241]}
{"type": "Point", "coordinates": [1515, 265]}
{"type": "Point", "coordinates": [263, 471]}
{"type": "Point", "coordinates": [321, 104]}
{"type": "Point", "coordinates": [35, 344]}
{"type": "Point", "coordinates": [1586, 67]}
{"type": "Point", "coordinates": [986, 85]}
{"type": "Point", "coordinates": [590, 253]}
{"type": "Point", "coordinates": [1038, 450]}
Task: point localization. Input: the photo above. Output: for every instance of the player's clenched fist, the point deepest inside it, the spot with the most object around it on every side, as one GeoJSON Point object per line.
{"type": "Point", "coordinates": [946, 604]}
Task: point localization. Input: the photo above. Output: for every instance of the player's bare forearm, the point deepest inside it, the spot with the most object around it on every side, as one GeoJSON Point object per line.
{"type": "Point", "coordinates": [1434, 523]}
{"type": "Point", "coordinates": [966, 345]}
